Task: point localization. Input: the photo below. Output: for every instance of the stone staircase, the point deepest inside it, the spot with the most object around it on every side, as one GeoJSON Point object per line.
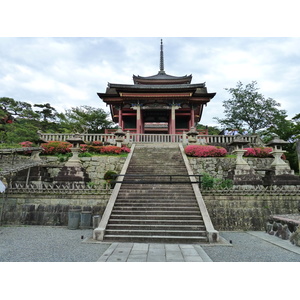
{"type": "Point", "coordinates": [156, 212]}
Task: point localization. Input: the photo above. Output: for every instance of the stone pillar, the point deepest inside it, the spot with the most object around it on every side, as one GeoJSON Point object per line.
{"type": "Point", "coordinates": [240, 163]}
{"type": "Point", "coordinates": [298, 152]}
{"type": "Point", "coordinates": [278, 165]}
{"type": "Point", "coordinates": [35, 154]}
{"type": "Point", "coordinates": [242, 173]}
{"type": "Point", "coordinates": [119, 137]}
{"type": "Point", "coordinates": [74, 161]}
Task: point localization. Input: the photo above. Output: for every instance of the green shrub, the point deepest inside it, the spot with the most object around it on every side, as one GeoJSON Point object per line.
{"type": "Point", "coordinates": [210, 182]}
{"type": "Point", "coordinates": [85, 154]}
{"type": "Point", "coordinates": [108, 175]}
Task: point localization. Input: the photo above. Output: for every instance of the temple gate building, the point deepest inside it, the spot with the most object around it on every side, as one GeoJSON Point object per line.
{"type": "Point", "coordinates": [160, 103]}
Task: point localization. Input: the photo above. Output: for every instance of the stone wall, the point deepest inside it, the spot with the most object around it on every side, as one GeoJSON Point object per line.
{"type": "Point", "coordinates": [50, 209]}
{"type": "Point", "coordinates": [247, 211]}
{"type": "Point", "coordinates": [219, 166]}
{"type": "Point", "coordinates": [95, 166]}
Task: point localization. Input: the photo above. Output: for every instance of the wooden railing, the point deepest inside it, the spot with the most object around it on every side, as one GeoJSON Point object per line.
{"type": "Point", "coordinates": [150, 138]}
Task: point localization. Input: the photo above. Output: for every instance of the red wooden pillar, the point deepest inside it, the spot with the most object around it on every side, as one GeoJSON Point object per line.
{"type": "Point", "coordinates": [173, 127]}
{"type": "Point", "coordinates": [192, 120]}
{"type": "Point", "coordinates": [120, 118]}
{"type": "Point", "coordinates": [138, 119]}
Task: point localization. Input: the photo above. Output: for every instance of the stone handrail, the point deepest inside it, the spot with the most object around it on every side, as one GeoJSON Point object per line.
{"type": "Point", "coordinates": [50, 188]}
{"type": "Point", "coordinates": [150, 138]}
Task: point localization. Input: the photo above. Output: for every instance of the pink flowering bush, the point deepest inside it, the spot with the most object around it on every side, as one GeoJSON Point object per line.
{"type": "Point", "coordinates": [26, 144]}
{"type": "Point", "coordinates": [103, 149]}
{"type": "Point", "coordinates": [125, 149]}
{"type": "Point", "coordinates": [56, 147]}
{"type": "Point", "coordinates": [205, 151]}
{"type": "Point", "coordinates": [258, 152]}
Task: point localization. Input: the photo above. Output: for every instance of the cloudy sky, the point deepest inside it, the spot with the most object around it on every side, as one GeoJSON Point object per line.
{"type": "Point", "coordinates": [69, 71]}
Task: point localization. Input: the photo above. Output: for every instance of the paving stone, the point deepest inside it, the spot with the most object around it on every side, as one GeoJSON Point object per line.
{"type": "Point", "coordinates": [202, 253]}
{"type": "Point", "coordinates": [192, 258]}
{"type": "Point", "coordinates": [137, 258]}
{"type": "Point", "coordinates": [171, 247]}
{"type": "Point", "coordinates": [138, 246]}
{"type": "Point", "coordinates": [189, 251]}
{"type": "Point", "coordinates": [139, 252]}
{"type": "Point", "coordinates": [156, 258]}
{"type": "Point", "coordinates": [174, 256]}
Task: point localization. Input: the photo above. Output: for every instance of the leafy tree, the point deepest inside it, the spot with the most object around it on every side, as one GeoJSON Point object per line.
{"type": "Point", "coordinates": [18, 121]}
{"type": "Point", "coordinates": [85, 119]}
{"type": "Point", "coordinates": [48, 121]}
{"type": "Point", "coordinates": [47, 113]}
{"type": "Point", "coordinates": [249, 109]}
{"type": "Point", "coordinates": [212, 130]}
{"type": "Point", "coordinates": [17, 109]}
{"type": "Point", "coordinates": [288, 130]}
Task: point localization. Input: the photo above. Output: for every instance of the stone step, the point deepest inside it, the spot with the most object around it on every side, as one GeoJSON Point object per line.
{"type": "Point", "coordinates": [151, 204]}
{"type": "Point", "coordinates": [151, 191]}
{"type": "Point", "coordinates": [155, 227]}
{"type": "Point", "coordinates": [134, 209]}
{"type": "Point", "coordinates": [156, 239]}
{"type": "Point", "coordinates": [156, 212]}
{"type": "Point", "coordinates": [146, 188]}
{"type": "Point", "coordinates": [186, 233]}
{"type": "Point", "coordinates": [156, 216]}
{"type": "Point", "coordinates": [151, 222]}
{"type": "Point", "coordinates": [158, 197]}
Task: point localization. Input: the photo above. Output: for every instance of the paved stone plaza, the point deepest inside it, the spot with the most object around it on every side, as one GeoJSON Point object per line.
{"type": "Point", "coordinates": [59, 244]}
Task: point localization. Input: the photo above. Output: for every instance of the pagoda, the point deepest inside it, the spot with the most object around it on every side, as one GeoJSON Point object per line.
{"type": "Point", "coordinates": [160, 103]}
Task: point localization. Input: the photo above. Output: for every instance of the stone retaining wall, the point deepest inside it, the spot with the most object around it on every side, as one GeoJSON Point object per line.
{"type": "Point", "coordinates": [239, 211]}
{"type": "Point", "coordinates": [50, 209]}
{"type": "Point", "coordinates": [219, 166]}
{"type": "Point", "coordinates": [95, 166]}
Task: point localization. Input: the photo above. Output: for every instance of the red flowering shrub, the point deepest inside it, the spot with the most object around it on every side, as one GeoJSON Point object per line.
{"type": "Point", "coordinates": [258, 152]}
{"type": "Point", "coordinates": [103, 149]}
{"type": "Point", "coordinates": [205, 151]}
{"type": "Point", "coordinates": [26, 144]}
{"type": "Point", "coordinates": [54, 147]}
{"type": "Point", "coordinates": [125, 149]}
{"type": "Point", "coordinates": [97, 143]}
{"type": "Point", "coordinates": [110, 150]}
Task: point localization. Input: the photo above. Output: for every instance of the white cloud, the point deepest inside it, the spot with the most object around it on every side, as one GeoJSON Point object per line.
{"type": "Point", "coordinates": [69, 72]}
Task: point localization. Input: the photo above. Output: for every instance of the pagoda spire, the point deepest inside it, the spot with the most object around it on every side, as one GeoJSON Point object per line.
{"type": "Point", "coordinates": [161, 70]}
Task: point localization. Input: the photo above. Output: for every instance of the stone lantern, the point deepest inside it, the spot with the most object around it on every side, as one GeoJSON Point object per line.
{"type": "Point", "coordinates": [242, 173]}
{"type": "Point", "coordinates": [238, 144]}
{"type": "Point", "coordinates": [35, 154]}
{"type": "Point", "coordinates": [120, 134]}
{"type": "Point", "coordinates": [75, 140]}
{"type": "Point", "coordinates": [192, 134]}
{"type": "Point", "coordinates": [278, 164]}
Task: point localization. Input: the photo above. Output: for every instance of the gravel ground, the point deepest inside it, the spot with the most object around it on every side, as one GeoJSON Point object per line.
{"type": "Point", "coordinates": [47, 244]}
{"type": "Point", "coordinates": [248, 248]}
{"type": "Point", "coordinates": [59, 244]}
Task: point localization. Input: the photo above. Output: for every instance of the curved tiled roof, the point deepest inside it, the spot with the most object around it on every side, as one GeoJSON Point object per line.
{"type": "Point", "coordinates": [161, 76]}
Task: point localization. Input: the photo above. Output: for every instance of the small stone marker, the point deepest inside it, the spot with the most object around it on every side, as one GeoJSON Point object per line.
{"type": "Point", "coordinates": [2, 187]}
